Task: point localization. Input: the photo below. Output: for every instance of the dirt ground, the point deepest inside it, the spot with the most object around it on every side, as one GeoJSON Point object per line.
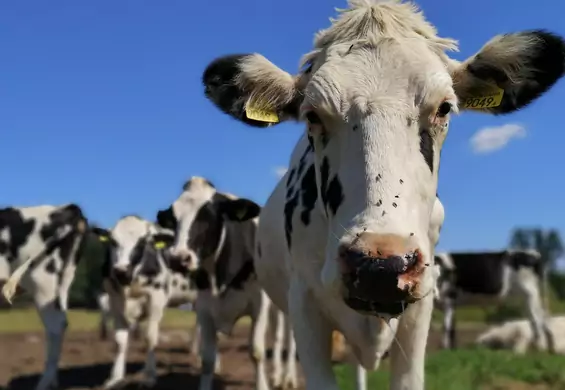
{"type": "Point", "coordinates": [86, 361]}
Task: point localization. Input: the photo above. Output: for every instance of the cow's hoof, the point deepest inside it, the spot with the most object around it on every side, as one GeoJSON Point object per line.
{"type": "Point", "coordinates": [112, 383]}
{"type": "Point", "coordinates": [149, 383]}
{"type": "Point", "coordinates": [290, 382]}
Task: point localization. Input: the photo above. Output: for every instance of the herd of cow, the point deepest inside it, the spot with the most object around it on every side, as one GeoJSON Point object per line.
{"type": "Point", "coordinates": [346, 240]}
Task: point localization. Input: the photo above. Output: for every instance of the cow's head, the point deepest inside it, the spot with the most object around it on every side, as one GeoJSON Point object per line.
{"type": "Point", "coordinates": [198, 217]}
{"type": "Point", "coordinates": [377, 93]}
{"type": "Point", "coordinates": [134, 247]}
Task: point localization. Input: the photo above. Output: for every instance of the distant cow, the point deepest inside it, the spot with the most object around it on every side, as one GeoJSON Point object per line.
{"type": "Point", "coordinates": [471, 278]}
{"type": "Point", "coordinates": [42, 245]}
{"type": "Point", "coordinates": [141, 280]}
{"type": "Point", "coordinates": [517, 335]}
{"type": "Point", "coordinates": [215, 235]}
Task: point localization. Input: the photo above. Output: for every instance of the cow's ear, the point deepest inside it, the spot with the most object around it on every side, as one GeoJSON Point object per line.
{"type": "Point", "coordinates": [251, 89]}
{"type": "Point", "coordinates": [163, 240]}
{"type": "Point", "coordinates": [166, 219]}
{"type": "Point", "coordinates": [510, 71]}
{"type": "Point", "coordinates": [102, 234]}
{"type": "Point", "coordinates": [239, 209]}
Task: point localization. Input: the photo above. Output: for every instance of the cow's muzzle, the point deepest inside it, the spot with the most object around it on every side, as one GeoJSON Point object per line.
{"type": "Point", "coordinates": [380, 273]}
{"type": "Point", "coordinates": [123, 276]}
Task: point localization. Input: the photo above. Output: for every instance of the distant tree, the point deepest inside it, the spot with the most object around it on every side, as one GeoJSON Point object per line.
{"type": "Point", "coordinates": [548, 244]}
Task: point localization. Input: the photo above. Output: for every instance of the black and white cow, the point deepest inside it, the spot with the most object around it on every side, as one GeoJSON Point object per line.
{"type": "Point", "coordinates": [42, 245]}
{"type": "Point", "coordinates": [344, 235]}
{"type": "Point", "coordinates": [482, 277]}
{"type": "Point", "coordinates": [141, 280]}
{"type": "Point", "coordinates": [215, 236]}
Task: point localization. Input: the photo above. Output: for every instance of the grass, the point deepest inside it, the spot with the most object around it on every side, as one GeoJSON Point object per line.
{"type": "Point", "coordinates": [476, 369]}
{"type": "Point", "coordinates": [27, 320]}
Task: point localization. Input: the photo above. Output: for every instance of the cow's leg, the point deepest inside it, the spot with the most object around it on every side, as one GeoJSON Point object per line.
{"type": "Point", "coordinates": [313, 335]}
{"type": "Point", "coordinates": [409, 351]}
{"type": "Point", "coordinates": [360, 377]}
{"type": "Point", "coordinates": [208, 339]}
{"type": "Point", "coordinates": [195, 339]}
{"type": "Point", "coordinates": [290, 377]}
{"type": "Point", "coordinates": [276, 377]}
{"type": "Point", "coordinates": [54, 319]}
{"type": "Point", "coordinates": [448, 336]}
{"type": "Point", "coordinates": [52, 305]}
{"type": "Point", "coordinates": [121, 335]}
{"type": "Point", "coordinates": [157, 304]}
{"type": "Point", "coordinates": [259, 327]}
{"type": "Point", "coordinates": [529, 283]}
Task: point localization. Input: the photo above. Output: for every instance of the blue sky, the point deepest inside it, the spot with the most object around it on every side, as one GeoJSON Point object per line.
{"type": "Point", "coordinates": [101, 104]}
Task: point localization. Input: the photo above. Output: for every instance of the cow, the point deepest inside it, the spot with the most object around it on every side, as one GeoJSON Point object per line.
{"type": "Point", "coordinates": [482, 277]}
{"type": "Point", "coordinates": [141, 280]}
{"type": "Point", "coordinates": [517, 335]}
{"type": "Point", "coordinates": [43, 245]}
{"type": "Point", "coordinates": [215, 234]}
{"type": "Point", "coordinates": [348, 223]}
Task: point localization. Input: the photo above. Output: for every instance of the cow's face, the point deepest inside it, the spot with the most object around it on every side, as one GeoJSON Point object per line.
{"type": "Point", "coordinates": [377, 95]}
{"type": "Point", "coordinates": [134, 246]}
{"type": "Point", "coordinates": [198, 217]}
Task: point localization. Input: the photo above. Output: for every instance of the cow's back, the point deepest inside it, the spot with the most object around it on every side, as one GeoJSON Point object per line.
{"type": "Point", "coordinates": [480, 273]}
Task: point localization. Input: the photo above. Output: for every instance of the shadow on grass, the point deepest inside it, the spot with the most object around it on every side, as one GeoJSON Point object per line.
{"type": "Point", "coordinates": [93, 377]}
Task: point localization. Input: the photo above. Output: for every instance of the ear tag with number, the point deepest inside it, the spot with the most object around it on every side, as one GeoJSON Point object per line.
{"type": "Point", "coordinates": [253, 111]}
{"type": "Point", "coordinates": [488, 101]}
{"type": "Point", "coordinates": [103, 238]}
{"type": "Point", "coordinates": [240, 213]}
{"type": "Point", "coordinates": [159, 245]}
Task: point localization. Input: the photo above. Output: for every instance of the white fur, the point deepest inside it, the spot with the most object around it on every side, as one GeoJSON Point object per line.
{"type": "Point", "coordinates": [517, 335]}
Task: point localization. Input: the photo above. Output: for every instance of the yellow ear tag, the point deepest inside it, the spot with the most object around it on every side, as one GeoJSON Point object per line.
{"type": "Point", "coordinates": [160, 245]}
{"type": "Point", "coordinates": [488, 101]}
{"type": "Point", "coordinates": [252, 111]}
{"type": "Point", "coordinates": [103, 238]}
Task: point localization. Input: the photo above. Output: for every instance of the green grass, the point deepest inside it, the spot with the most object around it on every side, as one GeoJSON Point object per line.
{"type": "Point", "coordinates": [27, 320]}
{"type": "Point", "coordinates": [475, 369]}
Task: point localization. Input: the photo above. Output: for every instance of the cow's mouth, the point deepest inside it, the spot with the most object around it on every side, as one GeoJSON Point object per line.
{"type": "Point", "coordinates": [375, 308]}
{"type": "Point", "coordinates": [377, 286]}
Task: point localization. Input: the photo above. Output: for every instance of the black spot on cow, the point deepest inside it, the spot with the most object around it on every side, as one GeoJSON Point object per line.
{"type": "Point", "coordinates": [243, 275]}
{"type": "Point", "coordinates": [289, 208]}
{"type": "Point", "coordinates": [427, 148]}
{"type": "Point", "coordinates": [309, 194]}
{"type": "Point", "coordinates": [157, 285]}
{"type": "Point", "coordinates": [324, 177]}
{"type": "Point", "coordinates": [51, 266]}
{"type": "Point", "coordinates": [166, 218]}
{"type": "Point", "coordinates": [335, 194]}
{"type": "Point", "coordinates": [19, 230]}
{"type": "Point", "coordinates": [69, 215]}
{"type": "Point", "coordinates": [527, 259]}
{"type": "Point", "coordinates": [201, 279]}
{"type": "Point", "coordinates": [290, 177]}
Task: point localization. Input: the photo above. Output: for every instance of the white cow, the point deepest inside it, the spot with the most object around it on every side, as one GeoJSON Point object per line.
{"type": "Point", "coordinates": [344, 236]}
{"type": "Point", "coordinates": [141, 281]}
{"type": "Point", "coordinates": [42, 245]}
{"type": "Point", "coordinates": [518, 336]}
